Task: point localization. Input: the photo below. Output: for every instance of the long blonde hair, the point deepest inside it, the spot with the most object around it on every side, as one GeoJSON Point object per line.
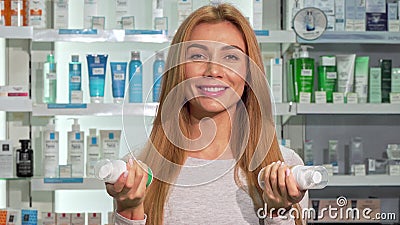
{"type": "Point", "coordinates": [261, 135]}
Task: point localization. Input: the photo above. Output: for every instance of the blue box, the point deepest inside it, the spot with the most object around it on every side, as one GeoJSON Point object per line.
{"type": "Point", "coordinates": [29, 217]}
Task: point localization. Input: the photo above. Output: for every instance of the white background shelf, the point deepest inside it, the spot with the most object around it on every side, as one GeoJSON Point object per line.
{"type": "Point", "coordinates": [15, 104]}
{"type": "Point", "coordinates": [280, 36]}
{"type": "Point", "coordinates": [101, 109]}
{"type": "Point", "coordinates": [369, 37]}
{"type": "Point", "coordinates": [369, 180]}
{"type": "Point", "coordinates": [348, 108]}
{"type": "Point", "coordinates": [37, 184]}
{"type": "Point", "coordinates": [16, 32]}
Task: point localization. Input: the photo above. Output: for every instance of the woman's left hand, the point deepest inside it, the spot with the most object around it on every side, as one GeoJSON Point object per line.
{"type": "Point", "coordinates": [281, 189]}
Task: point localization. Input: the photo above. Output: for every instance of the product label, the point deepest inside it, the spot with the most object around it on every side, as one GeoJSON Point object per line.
{"type": "Point", "coordinates": [51, 76]}
{"type": "Point", "coordinates": [98, 71]}
{"type": "Point", "coordinates": [128, 22]}
{"type": "Point", "coordinates": [75, 79]}
{"type": "Point", "coordinates": [119, 76]}
{"type": "Point", "coordinates": [6, 159]}
{"type": "Point", "coordinates": [98, 22]}
{"type": "Point", "coordinates": [394, 170]}
{"type": "Point", "coordinates": [65, 171]}
{"type": "Point", "coordinates": [306, 72]}
{"type": "Point", "coordinates": [161, 23]}
{"type": "Point", "coordinates": [359, 170]}
{"type": "Point", "coordinates": [305, 97]}
{"type": "Point", "coordinates": [331, 75]}
{"type": "Point", "coordinates": [76, 97]}
{"type": "Point", "coordinates": [352, 98]}
{"type": "Point", "coordinates": [395, 98]}
{"type": "Point", "coordinates": [50, 154]}
{"type": "Point", "coordinates": [371, 165]}
{"type": "Point", "coordinates": [60, 14]}
{"type": "Point", "coordinates": [320, 97]}
{"type": "Point", "coordinates": [338, 98]}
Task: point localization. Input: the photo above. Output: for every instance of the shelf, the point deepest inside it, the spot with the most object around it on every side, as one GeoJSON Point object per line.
{"type": "Point", "coordinates": [348, 108]}
{"type": "Point", "coordinates": [278, 36]}
{"type": "Point", "coordinates": [16, 32]}
{"type": "Point", "coordinates": [369, 180]}
{"type": "Point", "coordinates": [282, 109]}
{"type": "Point", "coordinates": [367, 37]}
{"type": "Point", "coordinates": [89, 35]}
{"type": "Point", "coordinates": [101, 109]}
{"type": "Point", "coordinates": [38, 184]}
{"type": "Point", "coordinates": [15, 104]}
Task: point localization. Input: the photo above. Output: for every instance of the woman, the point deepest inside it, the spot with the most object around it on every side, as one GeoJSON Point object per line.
{"type": "Point", "coordinates": [215, 113]}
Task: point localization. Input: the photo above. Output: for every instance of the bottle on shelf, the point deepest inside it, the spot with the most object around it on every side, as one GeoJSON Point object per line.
{"type": "Point", "coordinates": [307, 177]}
{"type": "Point", "coordinates": [135, 78]}
{"type": "Point", "coordinates": [49, 80]}
{"type": "Point", "coordinates": [24, 160]}
{"type": "Point", "coordinates": [75, 80]}
{"type": "Point", "coordinates": [92, 152]}
{"type": "Point", "coordinates": [158, 70]}
{"type": "Point", "coordinates": [304, 75]}
{"type": "Point", "coordinates": [76, 150]}
{"type": "Point", "coordinates": [50, 150]}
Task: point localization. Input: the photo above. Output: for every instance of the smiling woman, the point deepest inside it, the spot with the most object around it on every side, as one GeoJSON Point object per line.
{"type": "Point", "coordinates": [213, 133]}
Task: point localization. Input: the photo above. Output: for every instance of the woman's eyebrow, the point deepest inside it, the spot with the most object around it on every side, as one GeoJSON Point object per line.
{"type": "Point", "coordinates": [197, 46]}
{"type": "Point", "coordinates": [229, 47]}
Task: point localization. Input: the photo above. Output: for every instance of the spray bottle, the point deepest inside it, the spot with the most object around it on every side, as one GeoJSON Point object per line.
{"type": "Point", "coordinates": [51, 150]}
{"type": "Point", "coordinates": [307, 177]}
{"type": "Point", "coordinates": [76, 150]}
{"type": "Point", "coordinates": [304, 74]}
{"type": "Point", "coordinates": [158, 69]}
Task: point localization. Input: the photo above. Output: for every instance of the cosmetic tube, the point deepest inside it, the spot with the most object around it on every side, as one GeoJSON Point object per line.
{"type": "Point", "coordinates": [97, 65]}
{"type": "Point", "coordinates": [118, 76]}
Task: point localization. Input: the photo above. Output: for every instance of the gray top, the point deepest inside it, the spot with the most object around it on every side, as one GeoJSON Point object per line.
{"type": "Point", "coordinates": [207, 194]}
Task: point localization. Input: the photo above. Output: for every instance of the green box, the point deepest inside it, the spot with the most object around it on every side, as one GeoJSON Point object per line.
{"type": "Point", "coordinates": [395, 80]}
{"type": "Point", "coordinates": [375, 92]}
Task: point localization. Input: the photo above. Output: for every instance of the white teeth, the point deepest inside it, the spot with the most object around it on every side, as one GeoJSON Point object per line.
{"type": "Point", "coordinates": [212, 89]}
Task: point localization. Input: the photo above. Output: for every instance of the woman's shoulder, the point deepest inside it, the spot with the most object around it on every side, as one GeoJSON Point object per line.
{"type": "Point", "coordinates": [290, 156]}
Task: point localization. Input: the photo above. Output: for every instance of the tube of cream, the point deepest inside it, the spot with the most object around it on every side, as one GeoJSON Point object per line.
{"type": "Point", "coordinates": [110, 140]}
{"type": "Point", "coordinates": [345, 70]}
{"type": "Point", "coordinates": [118, 75]}
{"type": "Point", "coordinates": [97, 65]}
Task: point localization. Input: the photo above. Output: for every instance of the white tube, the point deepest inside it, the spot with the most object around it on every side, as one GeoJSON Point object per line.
{"type": "Point", "coordinates": [307, 177]}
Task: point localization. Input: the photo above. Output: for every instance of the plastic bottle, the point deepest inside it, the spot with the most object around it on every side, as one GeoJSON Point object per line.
{"type": "Point", "coordinates": [49, 80]}
{"type": "Point", "coordinates": [292, 85]}
{"type": "Point", "coordinates": [75, 81]}
{"type": "Point", "coordinates": [110, 170]}
{"type": "Point", "coordinates": [327, 76]}
{"type": "Point", "coordinates": [50, 150]}
{"type": "Point", "coordinates": [304, 72]}
{"type": "Point", "coordinates": [76, 150]}
{"type": "Point", "coordinates": [135, 78]}
{"type": "Point", "coordinates": [158, 70]}
{"type": "Point", "coordinates": [307, 177]}
{"type": "Point", "coordinates": [24, 160]}
{"type": "Point", "coordinates": [92, 152]}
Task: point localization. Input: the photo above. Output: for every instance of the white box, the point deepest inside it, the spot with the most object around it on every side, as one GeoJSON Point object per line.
{"type": "Point", "coordinates": [78, 218]}
{"type": "Point", "coordinates": [340, 15]}
{"type": "Point", "coordinates": [6, 159]}
{"type": "Point", "coordinates": [49, 218]}
{"type": "Point", "coordinates": [327, 6]}
{"type": "Point", "coordinates": [37, 14]}
{"type": "Point", "coordinates": [276, 79]}
{"type": "Point", "coordinates": [393, 19]}
{"type": "Point", "coordinates": [185, 7]}
{"type": "Point", "coordinates": [360, 16]}
{"type": "Point", "coordinates": [94, 219]}
{"type": "Point", "coordinates": [60, 14]}
{"type": "Point", "coordinates": [63, 218]}
{"type": "Point", "coordinates": [375, 6]}
{"type": "Point", "coordinates": [257, 14]}
{"type": "Point", "coordinates": [350, 12]}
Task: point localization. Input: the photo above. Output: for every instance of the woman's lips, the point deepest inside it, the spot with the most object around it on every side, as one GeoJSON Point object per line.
{"type": "Point", "coordinates": [212, 91]}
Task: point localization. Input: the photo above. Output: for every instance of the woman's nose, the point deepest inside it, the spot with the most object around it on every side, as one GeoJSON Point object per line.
{"type": "Point", "coordinates": [214, 70]}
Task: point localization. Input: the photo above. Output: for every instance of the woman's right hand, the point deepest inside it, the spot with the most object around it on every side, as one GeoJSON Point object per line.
{"type": "Point", "coordinates": [129, 190]}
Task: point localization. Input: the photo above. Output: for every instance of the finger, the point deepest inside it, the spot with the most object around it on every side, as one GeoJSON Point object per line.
{"type": "Point", "coordinates": [293, 191]}
{"type": "Point", "coordinates": [268, 189]}
{"type": "Point", "coordinates": [282, 180]}
{"type": "Point", "coordinates": [132, 167]}
{"type": "Point", "coordinates": [121, 182]}
{"type": "Point", "coordinates": [274, 179]}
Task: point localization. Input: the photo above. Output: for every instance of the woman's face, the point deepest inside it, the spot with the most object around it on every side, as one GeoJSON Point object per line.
{"type": "Point", "coordinates": [215, 67]}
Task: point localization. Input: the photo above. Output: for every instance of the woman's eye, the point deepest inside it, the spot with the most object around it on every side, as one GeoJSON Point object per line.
{"type": "Point", "coordinates": [197, 57]}
{"type": "Point", "coordinates": [232, 57]}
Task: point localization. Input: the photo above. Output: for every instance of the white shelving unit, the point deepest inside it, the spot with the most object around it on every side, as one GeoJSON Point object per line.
{"type": "Point", "coordinates": [101, 109]}
{"type": "Point", "coordinates": [368, 37]}
{"type": "Point", "coordinates": [369, 180]}
{"type": "Point", "coordinates": [16, 32]}
{"type": "Point", "coordinates": [38, 184]}
{"type": "Point", "coordinates": [15, 104]}
{"type": "Point", "coordinates": [278, 36]}
{"type": "Point", "coordinates": [348, 109]}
